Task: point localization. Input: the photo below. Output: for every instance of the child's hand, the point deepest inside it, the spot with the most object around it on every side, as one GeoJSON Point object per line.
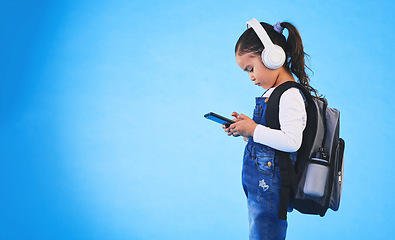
{"type": "Point", "coordinates": [227, 129]}
{"type": "Point", "coordinates": [244, 126]}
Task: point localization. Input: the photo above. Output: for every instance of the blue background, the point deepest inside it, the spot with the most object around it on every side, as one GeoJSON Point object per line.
{"type": "Point", "coordinates": [102, 134]}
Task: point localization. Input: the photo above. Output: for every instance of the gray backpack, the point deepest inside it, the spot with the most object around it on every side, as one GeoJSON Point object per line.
{"type": "Point", "coordinates": [315, 182]}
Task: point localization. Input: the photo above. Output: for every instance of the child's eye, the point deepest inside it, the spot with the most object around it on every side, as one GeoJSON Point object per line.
{"type": "Point", "coordinates": [249, 69]}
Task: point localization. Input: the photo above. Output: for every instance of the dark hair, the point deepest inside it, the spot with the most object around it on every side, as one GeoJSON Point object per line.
{"type": "Point", "coordinates": [293, 47]}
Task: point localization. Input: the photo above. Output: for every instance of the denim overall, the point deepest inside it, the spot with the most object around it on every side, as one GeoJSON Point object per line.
{"type": "Point", "coordinates": [262, 183]}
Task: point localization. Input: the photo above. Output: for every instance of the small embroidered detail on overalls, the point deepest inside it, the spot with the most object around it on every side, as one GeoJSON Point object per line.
{"type": "Point", "coordinates": [263, 184]}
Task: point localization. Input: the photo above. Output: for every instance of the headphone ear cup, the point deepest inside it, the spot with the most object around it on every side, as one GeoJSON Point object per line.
{"type": "Point", "coordinates": [273, 57]}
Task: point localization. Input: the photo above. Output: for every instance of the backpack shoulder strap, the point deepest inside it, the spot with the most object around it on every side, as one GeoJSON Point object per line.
{"type": "Point", "coordinates": [272, 109]}
{"type": "Point", "coordinates": [309, 133]}
{"type": "Point", "coordinates": [287, 170]}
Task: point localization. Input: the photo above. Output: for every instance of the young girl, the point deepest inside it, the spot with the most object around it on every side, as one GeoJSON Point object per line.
{"type": "Point", "coordinates": [261, 176]}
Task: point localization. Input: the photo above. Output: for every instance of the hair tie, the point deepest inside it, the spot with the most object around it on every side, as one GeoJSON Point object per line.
{"type": "Point", "coordinates": [277, 27]}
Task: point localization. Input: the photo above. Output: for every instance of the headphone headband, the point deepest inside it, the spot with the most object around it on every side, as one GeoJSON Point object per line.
{"type": "Point", "coordinates": [260, 31]}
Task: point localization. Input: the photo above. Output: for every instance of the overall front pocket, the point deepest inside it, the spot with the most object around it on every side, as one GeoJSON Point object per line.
{"type": "Point", "coordinates": [265, 163]}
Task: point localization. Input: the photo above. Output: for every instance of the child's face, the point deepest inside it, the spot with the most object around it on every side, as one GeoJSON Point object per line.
{"type": "Point", "coordinates": [259, 73]}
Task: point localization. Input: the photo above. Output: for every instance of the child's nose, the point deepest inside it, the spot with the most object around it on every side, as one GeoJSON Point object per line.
{"type": "Point", "coordinates": [252, 77]}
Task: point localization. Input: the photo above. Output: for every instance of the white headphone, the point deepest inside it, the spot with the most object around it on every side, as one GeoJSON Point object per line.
{"type": "Point", "coordinates": [273, 56]}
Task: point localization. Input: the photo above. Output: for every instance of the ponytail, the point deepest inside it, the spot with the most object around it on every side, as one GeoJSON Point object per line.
{"type": "Point", "coordinates": [293, 47]}
{"type": "Point", "coordinates": [296, 57]}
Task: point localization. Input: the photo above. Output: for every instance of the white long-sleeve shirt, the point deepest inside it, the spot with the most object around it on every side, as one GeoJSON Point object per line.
{"type": "Point", "coordinates": [292, 117]}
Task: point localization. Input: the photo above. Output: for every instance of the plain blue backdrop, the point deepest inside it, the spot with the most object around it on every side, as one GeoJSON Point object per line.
{"type": "Point", "coordinates": [102, 134]}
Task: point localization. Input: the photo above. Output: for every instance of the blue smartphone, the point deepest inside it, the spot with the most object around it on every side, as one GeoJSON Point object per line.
{"type": "Point", "coordinates": [219, 119]}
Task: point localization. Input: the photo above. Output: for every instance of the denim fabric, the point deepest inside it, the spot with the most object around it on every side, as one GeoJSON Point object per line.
{"type": "Point", "coordinates": [262, 183]}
